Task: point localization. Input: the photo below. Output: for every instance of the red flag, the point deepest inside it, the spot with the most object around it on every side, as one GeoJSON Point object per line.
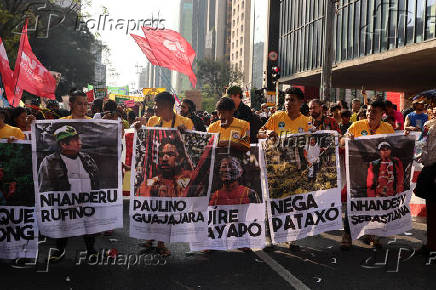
{"type": "Point", "coordinates": [6, 72]}
{"type": "Point", "coordinates": [167, 48]}
{"type": "Point", "coordinates": [29, 74]}
{"type": "Point", "coordinates": [90, 95]}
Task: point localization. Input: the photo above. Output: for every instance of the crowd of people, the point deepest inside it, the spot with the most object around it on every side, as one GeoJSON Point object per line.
{"type": "Point", "coordinates": [239, 125]}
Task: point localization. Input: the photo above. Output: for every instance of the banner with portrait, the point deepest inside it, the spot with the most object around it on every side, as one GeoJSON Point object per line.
{"type": "Point", "coordinates": [170, 185]}
{"type": "Point", "coordinates": [77, 173]}
{"type": "Point", "coordinates": [236, 214]}
{"type": "Point", "coordinates": [18, 226]}
{"type": "Point", "coordinates": [378, 184]}
{"type": "Point", "coordinates": [303, 185]}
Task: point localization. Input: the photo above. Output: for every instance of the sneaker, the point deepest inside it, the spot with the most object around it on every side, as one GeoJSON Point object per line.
{"type": "Point", "coordinates": [56, 255]}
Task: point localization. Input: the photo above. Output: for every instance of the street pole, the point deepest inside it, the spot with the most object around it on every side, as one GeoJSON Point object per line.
{"type": "Point", "coordinates": [327, 58]}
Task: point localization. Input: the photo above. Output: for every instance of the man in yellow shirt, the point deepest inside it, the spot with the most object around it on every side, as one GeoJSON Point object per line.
{"type": "Point", "coordinates": [79, 106]}
{"type": "Point", "coordinates": [165, 115]}
{"type": "Point", "coordinates": [372, 125]}
{"type": "Point", "coordinates": [233, 132]}
{"type": "Point", "coordinates": [9, 132]}
{"type": "Point", "coordinates": [290, 121]}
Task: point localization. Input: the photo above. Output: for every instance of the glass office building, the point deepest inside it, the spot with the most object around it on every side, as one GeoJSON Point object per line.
{"type": "Point", "coordinates": [361, 28]}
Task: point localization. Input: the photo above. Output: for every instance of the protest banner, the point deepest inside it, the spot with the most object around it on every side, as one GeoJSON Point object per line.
{"type": "Point", "coordinates": [417, 204]}
{"type": "Point", "coordinates": [170, 184]}
{"type": "Point", "coordinates": [303, 184]}
{"type": "Point", "coordinates": [378, 184]}
{"type": "Point", "coordinates": [126, 159]}
{"type": "Point", "coordinates": [236, 213]}
{"type": "Point", "coordinates": [100, 93]}
{"type": "Point", "coordinates": [77, 173]}
{"type": "Point", "coordinates": [18, 227]}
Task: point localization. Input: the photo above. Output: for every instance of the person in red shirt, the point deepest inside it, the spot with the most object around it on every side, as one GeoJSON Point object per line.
{"type": "Point", "coordinates": [398, 117]}
{"type": "Point", "coordinates": [232, 192]}
{"type": "Point", "coordinates": [385, 175]}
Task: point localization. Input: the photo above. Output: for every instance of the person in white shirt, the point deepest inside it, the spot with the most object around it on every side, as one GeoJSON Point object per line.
{"type": "Point", "coordinates": [312, 153]}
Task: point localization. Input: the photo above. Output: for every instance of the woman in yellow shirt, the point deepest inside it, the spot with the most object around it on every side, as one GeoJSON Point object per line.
{"type": "Point", "coordinates": [9, 132]}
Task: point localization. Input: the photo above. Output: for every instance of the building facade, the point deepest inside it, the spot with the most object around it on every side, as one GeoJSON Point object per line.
{"type": "Point", "coordinates": [378, 45]}
{"type": "Point", "coordinates": [240, 51]}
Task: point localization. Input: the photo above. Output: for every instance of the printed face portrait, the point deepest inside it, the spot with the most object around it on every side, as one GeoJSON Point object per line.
{"type": "Point", "coordinates": [385, 152]}
{"type": "Point", "coordinates": [71, 146]}
{"type": "Point", "coordinates": [312, 141]}
{"type": "Point", "coordinates": [168, 159]}
{"type": "Point", "coordinates": [230, 170]}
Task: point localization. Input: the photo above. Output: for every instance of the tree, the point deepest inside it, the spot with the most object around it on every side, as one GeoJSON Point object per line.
{"type": "Point", "coordinates": [215, 76]}
{"type": "Point", "coordinates": [54, 38]}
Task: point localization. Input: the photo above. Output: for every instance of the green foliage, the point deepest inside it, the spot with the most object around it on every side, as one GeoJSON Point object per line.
{"type": "Point", "coordinates": [215, 76]}
{"type": "Point", "coordinates": [208, 104]}
{"type": "Point", "coordinates": [65, 50]}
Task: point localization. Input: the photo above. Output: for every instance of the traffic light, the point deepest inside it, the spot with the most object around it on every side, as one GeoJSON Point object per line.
{"type": "Point", "coordinates": [275, 74]}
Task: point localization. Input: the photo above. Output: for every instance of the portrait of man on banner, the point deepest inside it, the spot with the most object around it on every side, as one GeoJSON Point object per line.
{"type": "Point", "coordinates": [170, 163]}
{"type": "Point", "coordinates": [73, 170]}
{"type": "Point", "coordinates": [386, 174]}
{"type": "Point", "coordinates": [380, 166]}
{"type": "Point", "coordinates": [174, 171]}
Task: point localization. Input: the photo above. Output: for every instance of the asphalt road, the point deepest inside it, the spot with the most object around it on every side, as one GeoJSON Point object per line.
{"type": "Point", "coordinates": [319, 264]}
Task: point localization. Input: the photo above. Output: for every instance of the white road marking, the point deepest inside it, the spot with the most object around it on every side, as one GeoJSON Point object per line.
{"type": "Point", "coordinates": [279, 269]}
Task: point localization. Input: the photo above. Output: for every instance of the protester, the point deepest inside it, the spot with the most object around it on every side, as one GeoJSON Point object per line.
{"type": "Point", "coordinates": [319, 121]}
{"type": "Point", "coordinates": [426, 184]}
{"type": "Point", "coordinates": [9, 132]}
{"type": "Point", "coordinates": [165, 118]}
{"type": "Point", "coordinates": [243, 112]}
{"type": "Point", "coordinates": [342, 104]}
{"type": "Point", "coordinates": [335, 113]}
{"type": "Point", "coordinates": [372, 125]}
{"type": "Point", "coordinates": [416, 119]}
{"type": "Point", "coordinates": [355, 107]}
{"type": "Point", "coordinates": [20, 119]}
{"type": "Point", "coordinates": [398, 117]}
{"type": "Point", "coordinates": [79, 106]}
{"type": "Point", "coordinates": [290, 121]}
{"type": "Point", "coordinates": [187, 109]}
{"type": "Point", "coordinates": [361, 115]}
{"type": "Point", "coordinates": [345, 121]}
{"type": "Point", "coordinates": [233, 132]}
{"type": "Point", "coordinates": [97, 108]}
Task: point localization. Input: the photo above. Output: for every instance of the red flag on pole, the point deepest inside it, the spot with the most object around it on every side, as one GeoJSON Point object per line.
{"type": "Point", "coordinates": [30, 75]}
{"type": "Point", "coordinates": [167, 48]}
{"type": "Point", "coordinates": [6, 72]}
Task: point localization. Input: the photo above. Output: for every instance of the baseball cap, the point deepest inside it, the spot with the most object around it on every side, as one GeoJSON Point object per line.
{"type": "Point", "coordinates": [384, 143]}
{"type": "Point", "coordinates": [65, 132]}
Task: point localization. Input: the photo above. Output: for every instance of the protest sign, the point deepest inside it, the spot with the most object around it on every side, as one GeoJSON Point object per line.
{"type": "Point", "coordinates": [378, 184]}
{"type": "Point", "coordinates": [303, 185]}
{"type": "Point", "coordinates": [170, 185]}
{"type": "Point", "coordinates": [77, 173]}
{"type": "Point", "coordinates": [18, 227]}
{"type": "Point", "coordinates": [236, 207]}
